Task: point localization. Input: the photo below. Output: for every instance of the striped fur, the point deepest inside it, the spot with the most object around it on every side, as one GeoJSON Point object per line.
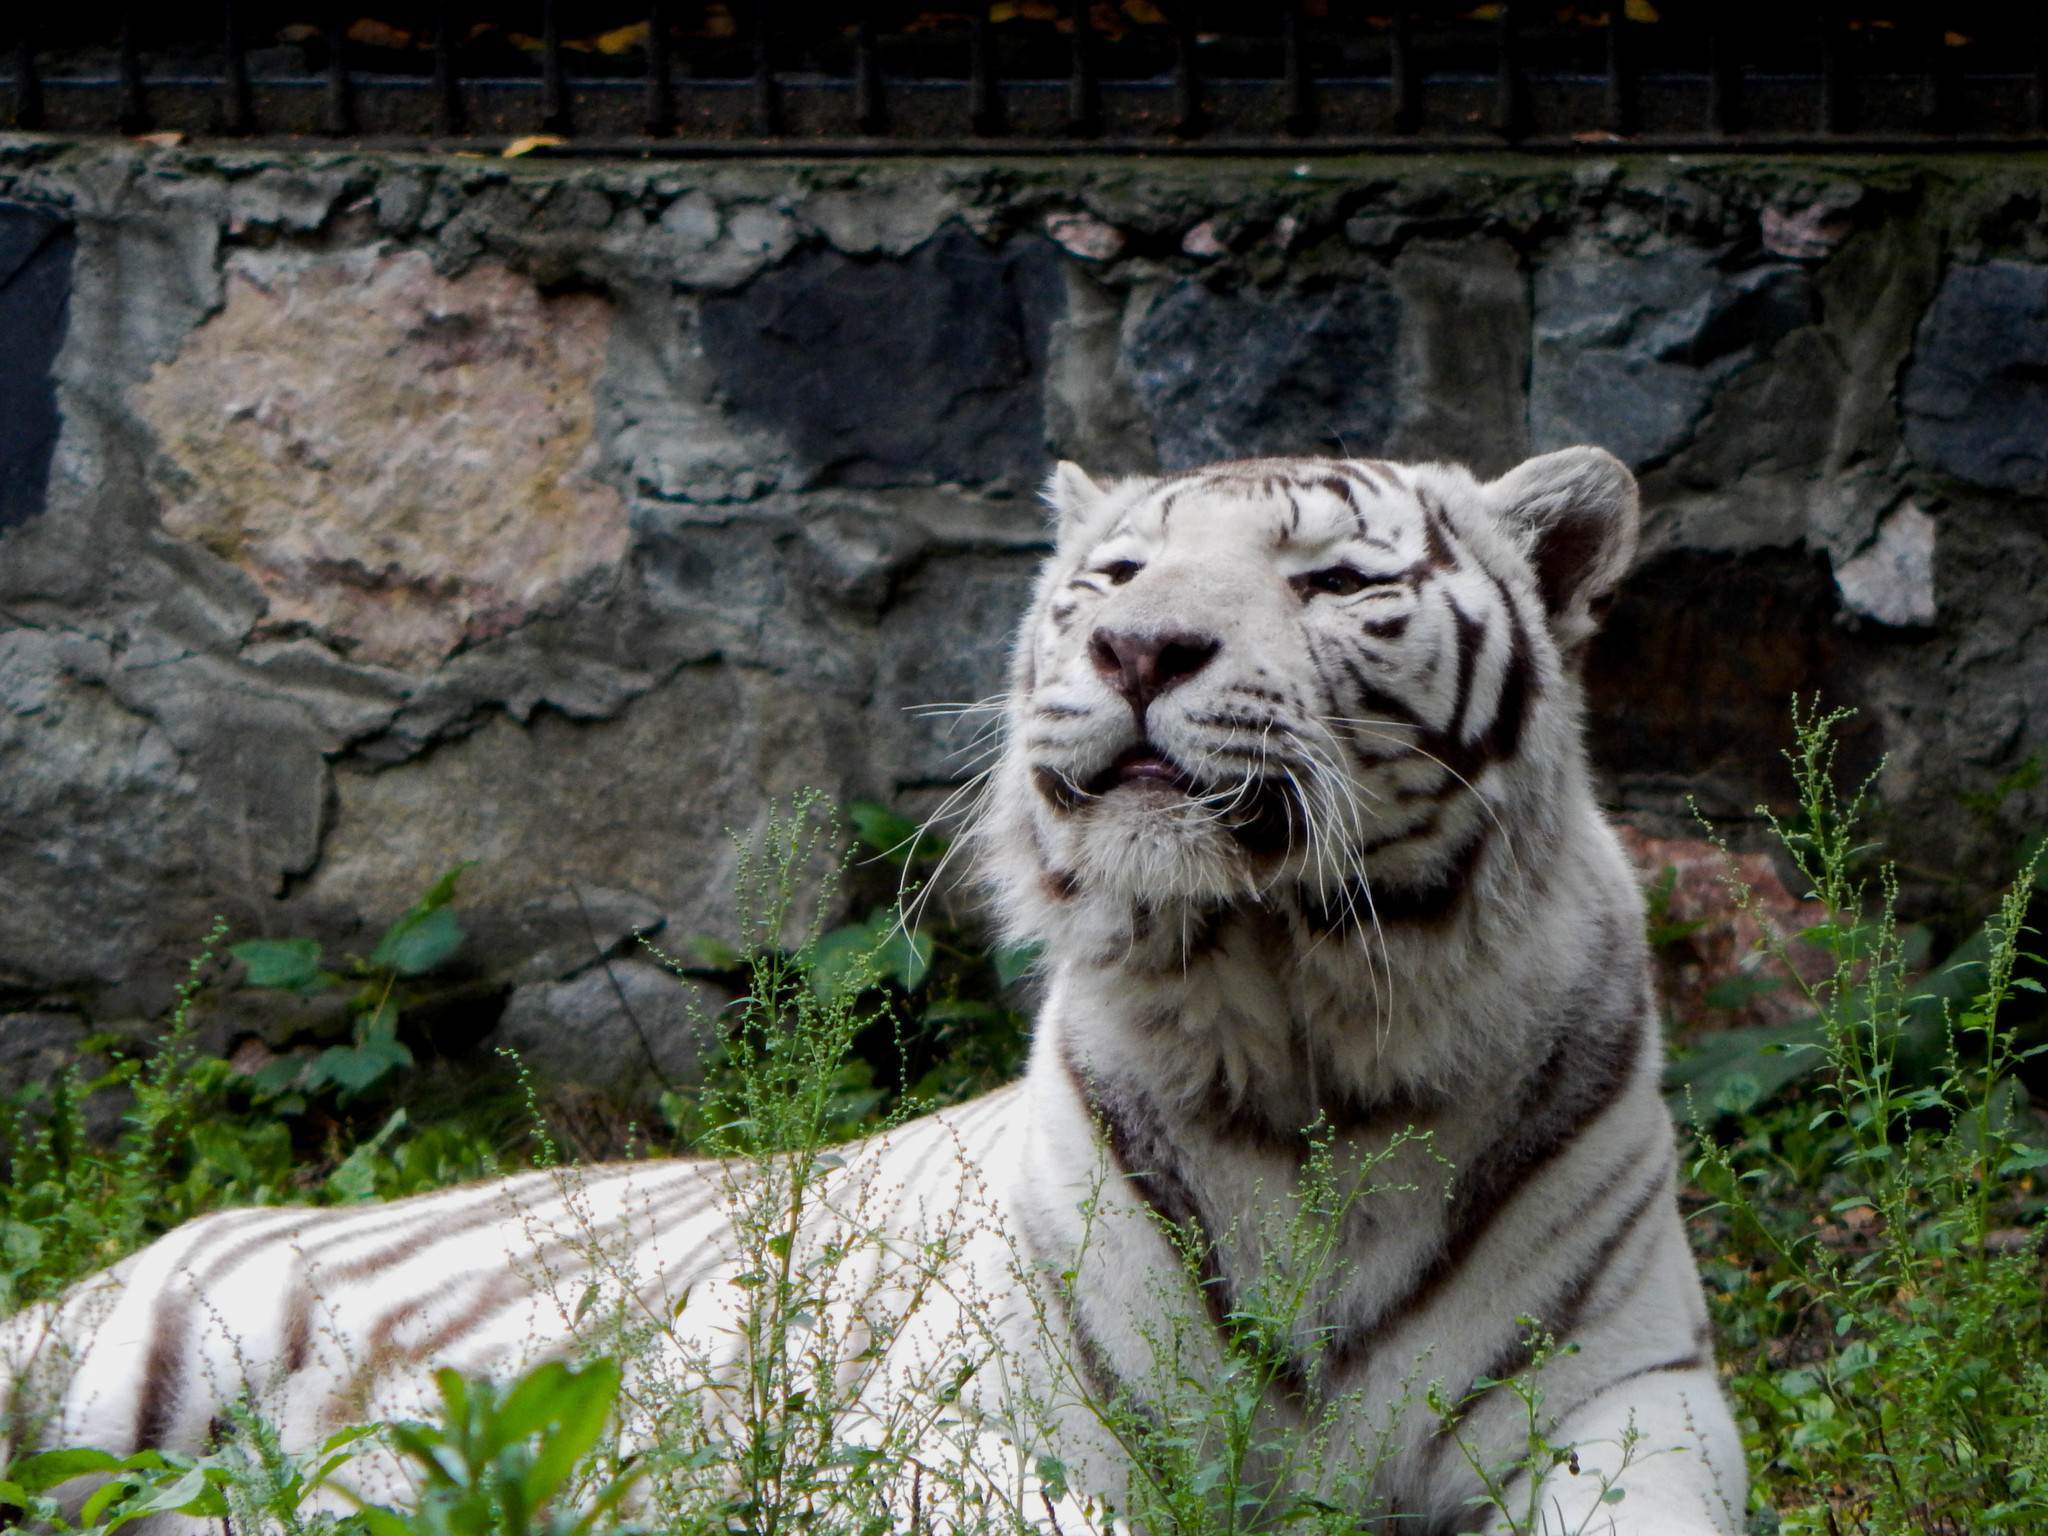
{"type": "Point", "coordinates": [1294, 795]}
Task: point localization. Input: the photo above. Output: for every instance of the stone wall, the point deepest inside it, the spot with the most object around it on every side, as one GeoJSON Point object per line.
{"type": "Point", "coordinates": [360, 515]}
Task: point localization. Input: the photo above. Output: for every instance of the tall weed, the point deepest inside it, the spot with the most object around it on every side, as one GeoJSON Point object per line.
{"type": "Point", "coordinates": [1894, 1376]}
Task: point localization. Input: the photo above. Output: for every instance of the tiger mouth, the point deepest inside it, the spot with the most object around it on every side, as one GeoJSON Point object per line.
{"type": "Point", "coordinates": [1142, 766]}
{"type": "Point", "coordinates": [1264, 817]}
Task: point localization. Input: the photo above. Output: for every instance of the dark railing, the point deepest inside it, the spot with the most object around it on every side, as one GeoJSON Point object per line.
{"type": "Point", "coordinates": [875, 77]}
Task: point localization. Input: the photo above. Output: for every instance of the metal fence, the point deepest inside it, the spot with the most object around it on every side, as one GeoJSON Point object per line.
{"type": "Point", "coordinates": [1043, 76]}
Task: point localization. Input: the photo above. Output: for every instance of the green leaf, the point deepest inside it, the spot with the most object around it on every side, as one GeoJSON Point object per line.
{"type": "Point", "coordinates": [20, 1245]}
{"type": "Point", "coordinates": [279, 965]}
{"type": "Point", "coordinates": [1738, 992]}
{"type": "Point", "coordinates": [277, 1075]}
{"type": "Point", "coordinates": [185, 1495]}
{"type": "Point", "coordinates": [54, 1467]}
{"type": "Point", "coordinates": [1012, 962]}
{"type": "Point", "coordinates": [1737, 1094]}
{"type": "Point", "coordinates": [442, 891]}
{"type": "Point", "coordinates": [1764, 1059]}
{"type": "Point", "coordinates": [417, 945]}
{"type": "Point", "coordinates": [842, 961]}
{"type": "Point", "coordinates": [711, 954]}
{"type": "Point", "coordinates": [358, 1067]}
{"type": "Point", "coordinates": [377, 1024]}
{"type": "Point", "coordinates": [356, 1178]}
{"type": "Point", "coordinates": [399, 951]}
{"type": "Point", "coordinates": [893, 836]}
{"type": "Point", "coordinates": [904, 956]}
{"type": "Point", "coordinates": [384, 1522]}
{"type": "Point", "coordinates": [958, 1010]}
{"type": "Point", "coordinates": [1614, 1496]}
{"type": "Point", "coordinates": [2023, 1158]}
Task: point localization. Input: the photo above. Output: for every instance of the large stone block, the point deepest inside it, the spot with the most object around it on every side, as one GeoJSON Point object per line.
{"type": "Point", "coordinates": [1976, 395]}
{"type": "Point", "coordinates": [1462, 390]}
{"type": "Point", "coordinates": [906, 372]}
{"type": "Point", "coordinates": [404, 462]}
{"type": "Point", "coordinates": [646, 803]}
{"type": "Point", "coordinates": [35, 291]}
{"type": "Point", "coordinates": [101, 835]}
{"type": "Point", "coordinates": [943, 664]}
{"type": "Point", "coordinates": [1629, 350]}
{"type": "Point", "coordinates": [1237, 375]}
{"type": "Point", "coordinates": [626, 1026]}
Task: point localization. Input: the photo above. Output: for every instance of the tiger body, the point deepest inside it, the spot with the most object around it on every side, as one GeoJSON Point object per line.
{"type": "Point", "coordinates": [1294, 796]}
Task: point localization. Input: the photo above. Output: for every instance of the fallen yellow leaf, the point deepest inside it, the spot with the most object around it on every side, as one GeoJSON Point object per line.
{"type": "Point", "coordinates": [1642, 11]}
{"type": "Point", "coordinates": [1956, 40]}
{"type": "Point", "coordinates": [622, 39]}
{"type": "Point", "coordinates": [372, 33]}
{"type": "Point", "coordinates": [1144, 13]}
{"type": "Point", "coordinates": [169, 139]}
{"type": "Point", "coordinates": [532, 141]}
{"type": "Point", "coordinates": [1481, 13]}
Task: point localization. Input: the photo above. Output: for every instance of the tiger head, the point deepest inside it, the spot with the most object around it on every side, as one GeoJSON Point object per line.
{"type": "Point", "coordinates": [1342, 686]}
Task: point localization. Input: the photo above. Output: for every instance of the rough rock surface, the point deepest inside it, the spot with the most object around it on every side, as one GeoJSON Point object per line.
{"type": "Point", "coordinates": [387, 512]}
{"type": "Point", "coordinates": [895, 373]}
{"type": "Point", "coordinates": [616, 1026]}
{"type": "Point", "coordinates": [403, 462]}
{"type": "Point", "coordinates": [35, 281]}
{"type": "Point", "coordinates": [1976, 396]}
{"type": "Point", "coordinates": [1239, 375]}
{"type": "Point", "coordinates": [1630, 348]}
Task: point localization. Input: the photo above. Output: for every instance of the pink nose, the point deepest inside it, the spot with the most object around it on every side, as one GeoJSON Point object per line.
{"type": "Point", "coordinates": [1142, 667]}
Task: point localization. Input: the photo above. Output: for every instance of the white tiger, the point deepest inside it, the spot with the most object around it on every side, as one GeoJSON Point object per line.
{"type": "Point", "coordinates": [1294, 797]}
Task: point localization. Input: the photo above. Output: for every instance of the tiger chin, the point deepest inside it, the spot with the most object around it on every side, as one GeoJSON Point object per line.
{"type": "Point", "coordinates": [1294, 797]}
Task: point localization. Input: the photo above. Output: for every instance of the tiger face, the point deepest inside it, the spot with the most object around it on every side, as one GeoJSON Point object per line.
{"type": "Point", "coordinates": [1323, 677]}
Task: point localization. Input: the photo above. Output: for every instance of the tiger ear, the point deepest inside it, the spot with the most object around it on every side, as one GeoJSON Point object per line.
{"type": "Point", "coordinates": [1072, 495]}
{"type": "Point", "coordinates": [1578, 512]}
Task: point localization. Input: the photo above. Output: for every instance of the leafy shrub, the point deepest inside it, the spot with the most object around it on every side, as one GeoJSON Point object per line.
{"type": "Point", "coordinates": [197, 1134]}
{"type": "Point", "coordinates": [1888, 1350]}
{"type": "Point", "coordinates": [421, 942]}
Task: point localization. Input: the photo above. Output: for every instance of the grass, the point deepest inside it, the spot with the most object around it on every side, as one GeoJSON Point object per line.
{"type": "Point", "coordinates": [1865, 1201]}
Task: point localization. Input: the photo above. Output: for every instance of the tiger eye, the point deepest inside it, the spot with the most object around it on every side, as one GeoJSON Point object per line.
{"type": "Point", "coordinates": [1120, 571]}
{"type": "Point", "coordinates": [1334, 581]}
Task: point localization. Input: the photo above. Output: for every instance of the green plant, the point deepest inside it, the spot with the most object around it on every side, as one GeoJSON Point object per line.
{"type": "Point", "coordinates": [196, 1134]}
{"type": "Point", "coordinates": [1514, 1489]}
{"type": "Point", "coordinates": [1893, 1379]}
{"type": "Point", "coordinates": [508, 1462]}
{"type": "Point", "coordinates": [1209, 1454]}
{"type": "Point", "coordinates": [786, 1425]}
{"type": "Point", "coordinates": [955, 1028]}
{"type": "Point", "coordinates": [68, 1205]}
{"type": "Point", "coordinates": [420, 943]}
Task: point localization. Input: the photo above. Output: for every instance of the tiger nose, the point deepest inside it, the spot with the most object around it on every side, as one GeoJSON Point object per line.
{"type": "Point", "coordinates": [1142, 667]}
